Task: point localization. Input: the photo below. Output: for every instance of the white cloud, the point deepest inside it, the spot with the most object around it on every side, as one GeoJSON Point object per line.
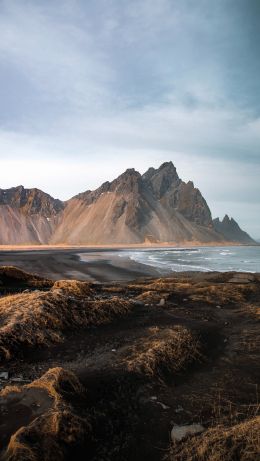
{"type": "Point", "coordinates": [56, 55]}
{"type": "Point", "coordinates": [126, 84]}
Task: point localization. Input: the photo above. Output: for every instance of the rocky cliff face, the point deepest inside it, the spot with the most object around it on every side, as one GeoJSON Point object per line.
{"type": "Point", "coordinates": [156, 206]}
{"type": "Point", "coordinates": [231, 230]}
{"type": "Point", "coordinates": [31, 201]}
{"type": "Point", "coordinates": [27, 216]}
{"type": "Point", "coordinates": [176, 195]}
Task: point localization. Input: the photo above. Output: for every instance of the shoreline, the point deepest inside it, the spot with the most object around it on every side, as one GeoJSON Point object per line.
{"type": "Point", "coordinates": [57, 264]}
{"type": "Point", "coordinates": [101, 265]}
{"type": "Point", "coordinates": [118, 246]}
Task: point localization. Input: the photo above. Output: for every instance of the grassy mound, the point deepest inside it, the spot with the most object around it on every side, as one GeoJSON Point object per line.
{"type": "Point", "coordinates": [74, 287]}
{"type": "Point", "coordinates": [58, 430]}
{"type": "Point", "coordinates": [40, 318]}
{"type": "Point", "coordinates": [164, 352]}
{"type": "Point", "coordinates": [239, 442]}
{"type": "Point", "coordinates": [13, 280]}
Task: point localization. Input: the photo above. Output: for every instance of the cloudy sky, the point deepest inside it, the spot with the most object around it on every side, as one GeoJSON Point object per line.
{"type": "Point", "coordinates": [90, 88]}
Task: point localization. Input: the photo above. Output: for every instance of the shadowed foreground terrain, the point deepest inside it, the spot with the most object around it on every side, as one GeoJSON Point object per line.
{"type": "Point", "coordinates": [112, 371]}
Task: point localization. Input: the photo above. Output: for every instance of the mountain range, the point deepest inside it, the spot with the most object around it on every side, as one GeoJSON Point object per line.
{"type": "Point", "coordinates": [154, 207]}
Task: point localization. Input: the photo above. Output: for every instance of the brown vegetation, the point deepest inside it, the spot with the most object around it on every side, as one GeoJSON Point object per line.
{"type": "Point", "coordinates": [13, 279]}
{"type": "Point", "coordinates": [240, 442]}
{"type": "Point", "coordinates": [40, 318]}
{"type": "Point", "coordinates": [164, 353]}
{"type": "Point", "coordinates": [137, 367]}
{"type": "Point", "coordinates": [55, 432]}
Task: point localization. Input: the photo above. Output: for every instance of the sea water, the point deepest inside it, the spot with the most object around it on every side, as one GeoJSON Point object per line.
{"type": "Point", "coordinates": [235, 258]}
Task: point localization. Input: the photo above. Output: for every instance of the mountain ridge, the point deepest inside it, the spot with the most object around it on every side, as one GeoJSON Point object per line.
{"type": "Point", "coordinates": [156, 206]}
{"type": "Point", "coordinates": [231, 230]}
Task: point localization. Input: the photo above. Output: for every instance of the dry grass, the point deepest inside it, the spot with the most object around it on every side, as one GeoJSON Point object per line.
{"type": "Point", "coordinates": [74, 287]}
{"type": "Point", "coordinates": [31, 319]}
{"type": "Point", "coordinates": [166, 284]}
{"type": "Point", "coordinates": [17, 274]}
{"type": "Point", "coordinates": [58, 383]}
{"type": "Point", "coordinates": [152, 297]}
{"type": "Point", "coordinates": [223, 294]}
{"type": "Point", "coordinates": [165, 352]}
{"type": "Point", "coordinates": [56, 432]}
{"type": "Point", "coordinates": [212, 291]}
{"type": "Point", "coordinates": [240, 442]}
{"type": "Point", "coordinates": [12, 277]}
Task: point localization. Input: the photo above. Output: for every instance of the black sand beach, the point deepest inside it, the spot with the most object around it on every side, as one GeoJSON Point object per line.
{"type": "Point", "coordinates": [98, 265]}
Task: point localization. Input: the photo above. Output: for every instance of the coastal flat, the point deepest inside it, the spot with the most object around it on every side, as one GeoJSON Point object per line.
{"type": "Point", "coordinates": [185, 244]}
{"type": "Point", "coordinates": [109, 369]}
{"type": "Point", "coordinates": [102, 263]}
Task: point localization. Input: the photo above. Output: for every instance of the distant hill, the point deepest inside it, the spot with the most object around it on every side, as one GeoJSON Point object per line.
{"type": "Point", "coordinates": [154, 207]}
{"type": "Point", "coordinates": [231, 230]}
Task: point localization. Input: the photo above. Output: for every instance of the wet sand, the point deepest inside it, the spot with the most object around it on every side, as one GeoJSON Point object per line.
{"type": "Point", "coordinates": [56, 264]}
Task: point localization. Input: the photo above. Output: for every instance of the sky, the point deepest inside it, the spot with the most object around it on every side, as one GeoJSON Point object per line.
{"type": "Point", "coordinates": [90, 88]}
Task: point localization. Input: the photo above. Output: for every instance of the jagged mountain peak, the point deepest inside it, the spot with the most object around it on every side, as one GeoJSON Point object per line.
{"type": "Point", "coordinates": [164, 167]}
{"type": "Point", "coordinates": [127, 182]}
{"type": "Point", "coordinates": [128, 173]}
{"type": "Point", "coordinates": [31, 201]}
{"type": "Point", "coordinates": [231, 230]}
{"type": "Point", "coordinates": [167, 165]}
{"type": "Point", "coordinates": [226, 218]}
{"type": "Point", "coordinates": [162, 179]}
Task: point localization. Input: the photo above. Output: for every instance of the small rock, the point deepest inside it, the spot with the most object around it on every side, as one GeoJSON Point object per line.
{"type": "Point", "coordinates": [164, 407]}
{"type": "Point", "coordinates": [179, 433]}
{"type": "Point", "coordinates": [162, 302]}
{"type": "Point", "coordinates": [179, 409]}
{"type": "Point", "coordinates": [225, 340]}
{"type": "Point", "coordinates": [20, 380]}
{"type": "Point", "coordinates": [218, 307]}
{"type": "Point", "coordinates": [153, 397]}
{"type": "Point", "coordinates": [185, 299]}
{"type": "Point", "coordinates": [113, 350]}
{"type": "Point", "coordinates": [136, 302]}
{"type": "Point", "coordinates": [4, 375]}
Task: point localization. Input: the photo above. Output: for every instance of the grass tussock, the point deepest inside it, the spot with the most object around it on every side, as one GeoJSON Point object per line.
{"type": "Point", "coordinates": [58, 383]}
{"type": "Point", "coordinates": [32, 319]}
{"type": "Point", "coordinates": [13, 279]}
{"type": "Point", "coordinates": [167, 285]}
{"type": "Point", "coordinates": [239, 442]}
{"type": "Point", "coordinates": [56, 432]}
{"type": "Point", "coordinates": [165, 353]}
{"type": "Point", "coordinates": [74, 287]}
{"type": "Point", "coordinates": [152, 297]}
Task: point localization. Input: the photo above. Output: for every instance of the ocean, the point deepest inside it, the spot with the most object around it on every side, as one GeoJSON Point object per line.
{"type": "Point", "coordinates": [222, 259]}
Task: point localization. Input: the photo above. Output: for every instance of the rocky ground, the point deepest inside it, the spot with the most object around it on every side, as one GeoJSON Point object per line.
{"type": "Point", "coordinates": [155, 369]}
